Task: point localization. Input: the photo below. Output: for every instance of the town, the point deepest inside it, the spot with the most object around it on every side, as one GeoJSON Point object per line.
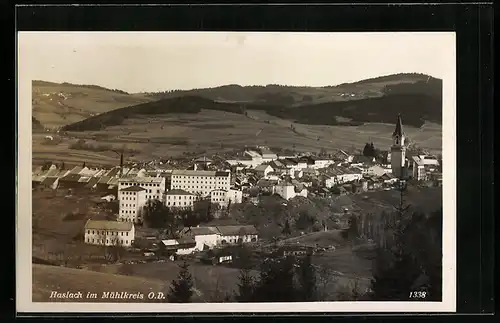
{"type": "Point", "coordinates": [203, 209]}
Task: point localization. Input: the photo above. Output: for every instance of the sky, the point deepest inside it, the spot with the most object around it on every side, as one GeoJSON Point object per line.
{"type": "Point", "coordinates": [159, 61]}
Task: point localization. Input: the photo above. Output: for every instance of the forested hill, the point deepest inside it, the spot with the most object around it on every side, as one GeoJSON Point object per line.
{"type": "Point", "coordinates": [404, 83]}
{"type": "Point", "coordinates": [416, 108]}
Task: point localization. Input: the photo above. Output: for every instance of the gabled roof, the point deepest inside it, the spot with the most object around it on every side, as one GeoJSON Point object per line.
{"type": "Point", "coordinates": [134, 188]}
{"type": "Point", "coordinates": [200, 231]}
{"type": "Point", "coordinates": [262, 168]}
{"type": "Point", "coordinates": [49, 181]}
{"type": "Point", "coordinates": [178, 192]}
{"type": "Point", "coordinates": [237, 230]}
{"type": "Point", "coordinates": [109, 225]}
{"type": "Point", "coordinates": [70, 178]}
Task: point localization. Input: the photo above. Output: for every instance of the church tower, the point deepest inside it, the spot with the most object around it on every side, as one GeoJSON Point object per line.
{"type": "Point", "coordinates": [398, 149]}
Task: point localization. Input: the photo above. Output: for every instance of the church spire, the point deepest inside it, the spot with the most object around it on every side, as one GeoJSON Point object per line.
{"type": "Point", "coordinates": [399, 128]}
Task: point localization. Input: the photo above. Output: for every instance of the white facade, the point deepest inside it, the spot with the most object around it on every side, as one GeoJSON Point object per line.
{"type": "Point", "coordinates": [418, 168]}
{"type": "Point", "coordinates": [263, 170]}
{"type": "Point", "coordinates": [109, 233]}
{"type": "Point", "coordinates": [377, 170]}
{"type": "Point", "coordinates": [200, 182]}
{"type": "Point", "coordinates": [179, 199]}
{"type": "Point", "coordinates": [235, 196]}
{"type": "Point", "coordinates": [154, 186]}
{"type": "Point", "coordinates": [132, 200]}
{"type": "Point", "coordinates": [287, 191]}
{"type": "Point", "coordinates": [342, 179]}
{"type": "Point", "coordinates": [322, 163]}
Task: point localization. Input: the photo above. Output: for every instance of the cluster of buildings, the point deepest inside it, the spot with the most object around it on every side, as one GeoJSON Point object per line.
{"type": "Point", "coordinates": [257, 171]}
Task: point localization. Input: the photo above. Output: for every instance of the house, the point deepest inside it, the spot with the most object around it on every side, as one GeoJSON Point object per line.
{"type": "Point", "coordinates": [204, 237]}
{"type": "Point", "coordinates": [338, 176]}
{"type": "Point", "coordinates": [109, 233]}
{"type": "Point", "coordinates": [422, 165]}
{"type": "Point", "coordinates": [342, 156]}
{"type": "Point", "coordinates": [181, 246]}
{"type": "Point", "coordinates": [178, 198]}
{"type": "Point", "coordinates": [388, 179]}
{"type": "Point", "coordinates": [232, 234]}
{"type": "Point", "coordinates": [132, 200]}
{"type": "Point", "coordinates": [288, 191]}
{"type": "Point", "coordinates": [92, 183]}
{"type": "Point", "coordinates": [263, 170]}
{"type": "Point", "coordinates": [418, 168]}
{"type": "Point", "coordinates": [267, 154]}
{"type": "Point", "coordinates": [377, 170]}
{"type": "Point", "coordinates": [50, 182]}
{"type": "Point", "coordinates": [71, 181]}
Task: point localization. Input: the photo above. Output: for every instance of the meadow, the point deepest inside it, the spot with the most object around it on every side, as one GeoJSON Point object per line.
{"type": "Point", "coordinates": [213, 131]}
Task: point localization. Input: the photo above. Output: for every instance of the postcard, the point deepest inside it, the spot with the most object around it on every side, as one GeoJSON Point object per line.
{"type": "Point", "coordinates": [236, 172]}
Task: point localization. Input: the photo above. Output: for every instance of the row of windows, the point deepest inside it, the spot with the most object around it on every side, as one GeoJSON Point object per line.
{"type": "Point", "coordinates": [127, 212]}
{"type": "Point", "coordinates": [141, 184]}
{"type": "Point", "coordinates": [179, 203]}
{"type": "Point", "coordinates": [196, 187]}
{"type": "Point", "coordinates": [128, 205]}
{"type": "Point", "coordinates": [112, 233]}
{"type": "Point", "coordinates": [89, 240]}
{"type": "Point", "coordinates": [129, 198]}
{"type": "Point", "coordinates": [185, 197]}
{"type": "Point", "coordinates": [199, 177]}
{"type": "Point", "coordinates": [127, 219]}
{"type": "Point", "coordinates": [129, 193]}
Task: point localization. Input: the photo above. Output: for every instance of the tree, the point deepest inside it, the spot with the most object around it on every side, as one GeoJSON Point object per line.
{"type": "Point", "coordinates": [306, 274]}
{"type": "Point", "coordinates": [410, 257]}
{"type": "Point", "coordinates": [286, 228]}
{"type": "Point", "coordinates": [304, 221]}
{"type": "Point", "coordinates": [181, 289]}
{"type": "Point", "coordinates": [276, 281]}
{"type": "Point", "coordinates": [246, 286]}
{"type": "Point", "coordinates": [157, 215]}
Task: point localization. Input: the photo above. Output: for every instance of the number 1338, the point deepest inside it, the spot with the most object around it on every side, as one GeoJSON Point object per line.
{"type": "Point", "coordinates": [418, 294]}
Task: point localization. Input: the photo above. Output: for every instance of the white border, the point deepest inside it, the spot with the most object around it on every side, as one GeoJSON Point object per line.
{"type": "Point", "coordinates": [24, 302]}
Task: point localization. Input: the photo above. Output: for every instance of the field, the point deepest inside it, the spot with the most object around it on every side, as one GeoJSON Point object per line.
{"type": "Point", "coordinates": [47, 279]}
{"type": "Point", "coordinates": [215, 131]}
{"type": "Point", "coordinates": [57, 236]}
{"type": "Point", "coordinates": [56, 105]}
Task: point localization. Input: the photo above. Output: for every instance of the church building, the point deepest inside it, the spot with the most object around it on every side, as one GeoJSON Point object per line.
{"type": "Point", "coordinates": [398, 149]}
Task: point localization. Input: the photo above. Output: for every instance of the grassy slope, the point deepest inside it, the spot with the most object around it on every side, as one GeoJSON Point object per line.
{"type": "Point", "coordinates": [213, 131]}
{"type": "Point", "coordinates": [81, 102]}
{"type": "Point", "coordinates": [60, 279]}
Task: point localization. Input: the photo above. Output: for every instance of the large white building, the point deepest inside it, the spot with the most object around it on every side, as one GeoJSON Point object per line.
{"type": "Point", "coordinates": [109, 233]}
{"type": "Point", "coordinates": [132, 200]}
{"type": "Point", "coordinates": [178, 198]}
{"type": "Point", "coordinates": [199, 182]}
{"type": "Point", "coordinates": [154, 186]}
{"type": "Point", "coordinates": [422, 165]}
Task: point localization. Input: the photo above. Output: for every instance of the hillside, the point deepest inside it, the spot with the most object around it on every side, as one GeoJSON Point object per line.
{"type": "Point", "coordinates": [47, 279]}
{"type": "Point", "coordinates": [404, 83]}
{"type": "Point", "coordinates": [56, 105]}
{"type": "Point", "coordinates": [416, 109]}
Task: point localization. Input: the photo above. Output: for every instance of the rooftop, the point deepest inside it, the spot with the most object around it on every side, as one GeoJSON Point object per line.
{"type": "Point", "coordinates": [109, 225]}
{"type": "Point", "coordinates": [236, 230]}
{"type": "Point", "coordinates": [178, 192]}
{"type": "Point", "coordinates": [134, 188]}
{"type": "Point", "coordinates": [142, 179]}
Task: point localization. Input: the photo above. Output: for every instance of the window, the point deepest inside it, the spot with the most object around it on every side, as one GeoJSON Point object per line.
{"type": "Point", "coordinates": [127, 234]}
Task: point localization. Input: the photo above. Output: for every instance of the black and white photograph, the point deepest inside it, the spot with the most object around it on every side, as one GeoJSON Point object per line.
{"type": "Point", "coordinates": [236, 171]}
